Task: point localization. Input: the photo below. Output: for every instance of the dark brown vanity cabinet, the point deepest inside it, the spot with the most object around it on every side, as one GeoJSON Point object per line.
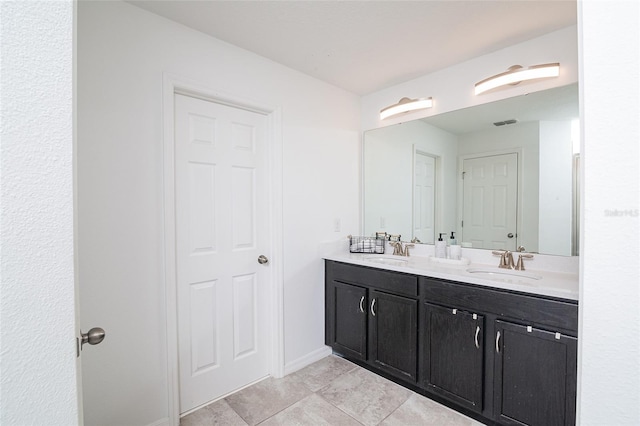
{"type": "Point", "coordinates": [502, 357]}
{"type": "Point", "coordinates": [529, 350]}
{"type": "Point", "coordinates": [366, 320]}
{"type": "Point", "coordinates": [535, 376]}
{"type": "Point", "coordinates": [393, 336]}
{"type": "Point", "coordinates": [349, 319]}
{"type": "Point", "coordinates": [452, 361]}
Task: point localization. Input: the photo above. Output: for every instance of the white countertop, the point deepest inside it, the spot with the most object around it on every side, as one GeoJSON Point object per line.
{"type": "Point", "coordinates": [554, 284]}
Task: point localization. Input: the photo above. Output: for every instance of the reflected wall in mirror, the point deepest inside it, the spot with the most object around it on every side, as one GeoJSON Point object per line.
{"type": "Point", "coordinates": [498, 186]}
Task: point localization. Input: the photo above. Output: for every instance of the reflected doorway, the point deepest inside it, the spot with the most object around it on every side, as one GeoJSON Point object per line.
{"type": "Point", "coordinates": [424, 193]}
{"type": "Point", "coordinates": [490, 205]}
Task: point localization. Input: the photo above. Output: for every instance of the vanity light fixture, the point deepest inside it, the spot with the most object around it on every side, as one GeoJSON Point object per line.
{"type": "Point", "coordinates": [517, 74]}
{"type": "Point", "coordinates": [405, 105]}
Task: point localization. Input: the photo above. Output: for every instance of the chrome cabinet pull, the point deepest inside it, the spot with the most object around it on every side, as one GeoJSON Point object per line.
{"type": "Point", "coordinates": [373, 304]}
{"type": "Point", "coordinates": [362, 304]}
{"type": "Point", "coordinates": [476, 337]}
{"type": "Point", "coordinates": [498, 342]}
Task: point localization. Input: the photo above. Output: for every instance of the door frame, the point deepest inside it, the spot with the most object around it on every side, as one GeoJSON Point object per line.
{"type": "Point", "coordinates": [173, 84]}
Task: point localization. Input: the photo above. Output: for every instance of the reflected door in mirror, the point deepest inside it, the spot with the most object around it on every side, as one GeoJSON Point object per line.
{"type": "Point", "coordinates": [490, 189]}
{"type": "Point", "coordinates": [424, 182]}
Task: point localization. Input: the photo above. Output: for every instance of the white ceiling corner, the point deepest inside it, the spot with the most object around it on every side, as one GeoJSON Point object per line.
{"type": "Point", "coordinates": [366, 46]}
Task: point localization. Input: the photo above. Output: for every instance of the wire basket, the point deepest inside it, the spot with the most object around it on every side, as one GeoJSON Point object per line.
{"type": "Point", "coordinates": [366, 245]}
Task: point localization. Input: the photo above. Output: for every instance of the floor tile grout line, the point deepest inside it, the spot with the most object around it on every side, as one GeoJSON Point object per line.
{"type": "Point", "coordinates": [396, 409]}
{"type": "Point", "coordinates": [333, 405]}
{"type": "Point", "coordinates": [285, 408]}
{"type": "Point", "coordinates": [354, 367]}
{"type": "Point", "coordinates": [320, 375]}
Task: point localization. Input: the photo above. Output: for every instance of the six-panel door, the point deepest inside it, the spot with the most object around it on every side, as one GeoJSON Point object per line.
{"type": "Point", "coordinates": [221, 206]}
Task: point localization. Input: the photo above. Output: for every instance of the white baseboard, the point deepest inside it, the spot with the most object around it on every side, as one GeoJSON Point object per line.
{"type": "Point", "coordinates": [308, 359]}
{"type": "Point", "coordinates": [162, 422]}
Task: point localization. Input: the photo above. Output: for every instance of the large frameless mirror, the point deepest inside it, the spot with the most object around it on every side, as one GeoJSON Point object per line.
{"type": "Point", "coordinates": [499, 175]}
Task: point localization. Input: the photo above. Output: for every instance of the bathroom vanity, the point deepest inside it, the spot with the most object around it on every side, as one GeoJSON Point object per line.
{"type": "Point", "coordinates": [499, 347]}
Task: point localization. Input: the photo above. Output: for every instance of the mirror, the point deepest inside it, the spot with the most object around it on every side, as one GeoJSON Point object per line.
{"type": "Point", "coordinates": [496, 184]}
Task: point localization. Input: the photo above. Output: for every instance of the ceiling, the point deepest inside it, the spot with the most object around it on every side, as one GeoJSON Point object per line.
{"type": "Point", "coordinates": [557, 104]}
{"type": "Point", "coordinates": [366, 46]}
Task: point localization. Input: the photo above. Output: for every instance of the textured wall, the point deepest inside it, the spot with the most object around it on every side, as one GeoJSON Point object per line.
{"type": "Point", "coordinates": [610, 273]}
{"type": "Point", "coordinates": [38, 378]}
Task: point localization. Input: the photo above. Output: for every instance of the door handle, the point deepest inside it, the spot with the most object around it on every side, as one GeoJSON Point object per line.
{"type": "Point", "coordinates": [510, 235]}
{"type": "Point", "coordinates": [92, 337]}
{"type": "Point", "coordinates": [373, 304]}
{"type": "Point", "coordinates": [362, 304]}
{"type": "Point", "coordinates": [498, 342]}
{"type": "Point", "coordinates": [476, 337]}
{"type": "Point", "coordinates": [262, 259]}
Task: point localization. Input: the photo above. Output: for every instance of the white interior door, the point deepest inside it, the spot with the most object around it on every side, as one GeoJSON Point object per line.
{"type": "Point", "coordinates": [424, 181]}
{"type": "Point", "coordinates": [490, 190]}
{"type": "Point", "coordinates": [221, 224]}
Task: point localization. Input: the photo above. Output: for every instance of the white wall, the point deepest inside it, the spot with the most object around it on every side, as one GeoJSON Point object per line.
{"type": "Point", "coordinates": [453, 87]}
{"type": "Point", "coordinates": [122, 54]}
{"type": "Point", "coordinates": [388, 179]}
{"type": "Point", "coordinates": [609, 335]}
{"type": "Point", "coordinates": [523, 137]}
{"type": "Point", "coordinates": [37, 324]}
{"type": "Point", "coordinates": [609, 338]}
{"type": "Point", "coordinates": [556, 188]}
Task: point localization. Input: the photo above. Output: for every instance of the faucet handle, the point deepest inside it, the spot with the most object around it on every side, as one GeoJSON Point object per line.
{"type": "Point", "coordinates": [520, 264]}
{"type": "Point", "coordinates": [407, 246]}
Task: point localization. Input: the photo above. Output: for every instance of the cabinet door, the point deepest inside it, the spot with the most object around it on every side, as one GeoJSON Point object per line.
{"type": "Point", "coordinates": [393, 339]}
{"type": "Point", "coordinates": [453, 354]}
{"type": "Point", "coordinates": [535, 376]}
{"type": "Point", "coordinates": [348, 308]}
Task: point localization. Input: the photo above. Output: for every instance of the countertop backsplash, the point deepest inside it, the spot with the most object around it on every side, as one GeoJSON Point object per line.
{"type": "Point", "coordinates": [540, 262]}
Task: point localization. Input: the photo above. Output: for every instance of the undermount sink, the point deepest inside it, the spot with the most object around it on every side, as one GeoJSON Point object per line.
{"type": "Point", "coordinates": [504, 272]}
{"type": "Point", "coordinates": [387, 260]}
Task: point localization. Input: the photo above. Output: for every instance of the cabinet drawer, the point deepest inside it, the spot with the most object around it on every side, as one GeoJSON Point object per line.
{"type": "Point", "coordinates": [554, 314]}
{"type": "Point", "coordinates": [394, 282]}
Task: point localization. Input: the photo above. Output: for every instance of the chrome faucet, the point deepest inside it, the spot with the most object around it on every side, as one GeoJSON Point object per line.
{"type": "Point", "coordinates": [506, 259]}
{"type": "Point", "coordinates": [398, 250]}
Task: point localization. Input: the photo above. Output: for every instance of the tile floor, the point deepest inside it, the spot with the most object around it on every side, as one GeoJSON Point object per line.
{"type": "Point", "coordinates": [331, 391]}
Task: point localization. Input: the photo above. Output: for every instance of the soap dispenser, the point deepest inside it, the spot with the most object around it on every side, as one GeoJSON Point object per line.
{"type": "Point", "coordinates": [452, 239]}
{"type": "Point", "coordinates": [455, 251]}
{"type": "Point", "coordinates": [441, 247]}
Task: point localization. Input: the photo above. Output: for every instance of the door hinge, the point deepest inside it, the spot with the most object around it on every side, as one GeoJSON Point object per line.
{"type": "Point", "coordinates": [462, 224]}
{"type": "Point", "coordinates": [463, 173]}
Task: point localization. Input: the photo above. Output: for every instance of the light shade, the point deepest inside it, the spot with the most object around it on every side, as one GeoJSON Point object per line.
{"type": "Point", "coordinates": [405, 105]}
{"type": "Point", "coordinates": [516, 74]}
